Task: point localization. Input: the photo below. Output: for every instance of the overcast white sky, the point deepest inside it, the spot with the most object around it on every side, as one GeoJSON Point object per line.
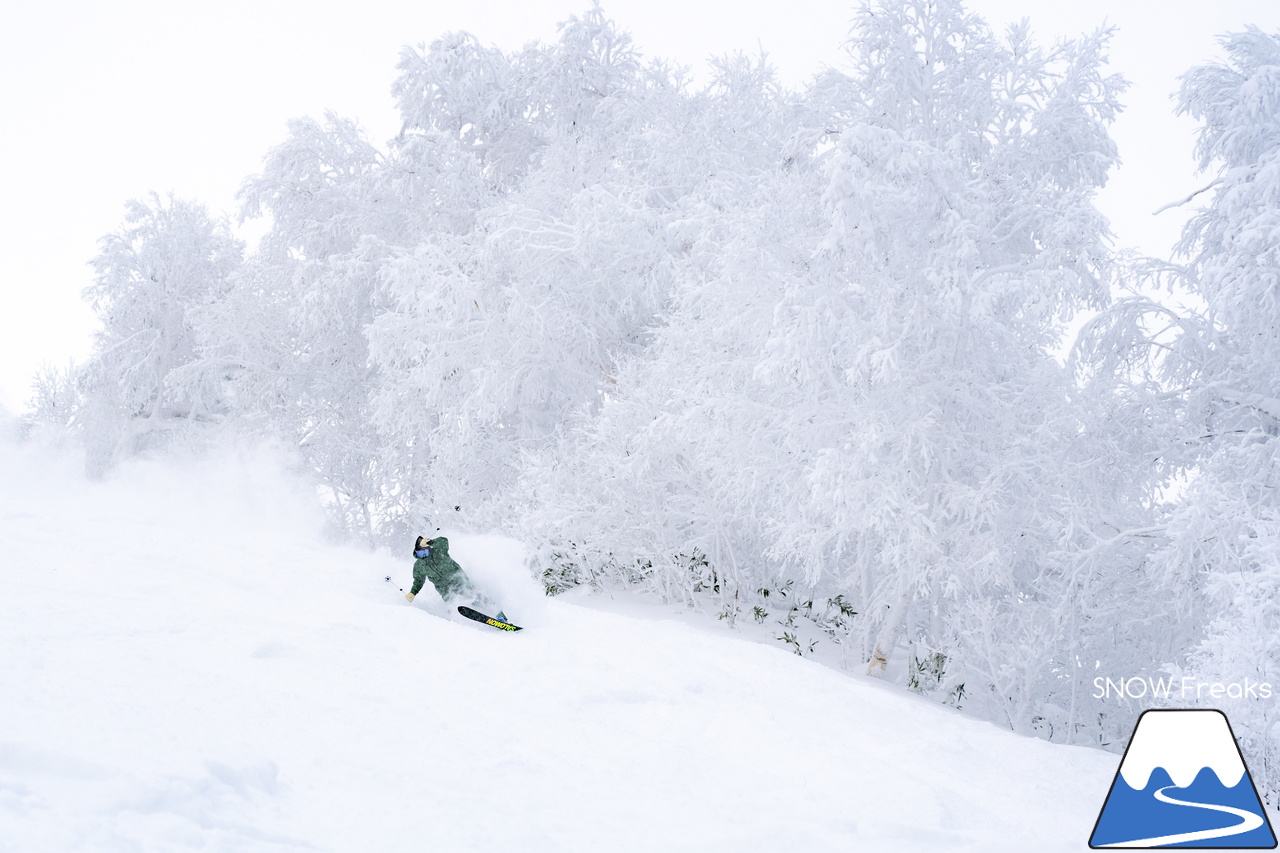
{"type": "Point", "coordinates": [106, 101]}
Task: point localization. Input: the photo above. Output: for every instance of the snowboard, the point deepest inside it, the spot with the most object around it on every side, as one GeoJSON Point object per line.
{"type": "Point", "coordinates": [488, 620]}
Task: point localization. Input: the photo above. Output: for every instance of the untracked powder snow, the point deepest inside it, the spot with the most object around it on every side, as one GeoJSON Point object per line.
{"type": "Point", "coordinates": [188, 663]}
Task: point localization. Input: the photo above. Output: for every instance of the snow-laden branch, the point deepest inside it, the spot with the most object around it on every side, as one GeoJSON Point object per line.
{"type": "Point", "coordinates": [1267, 405]}
{"type": "Point", "coordinates": [1189, 198]}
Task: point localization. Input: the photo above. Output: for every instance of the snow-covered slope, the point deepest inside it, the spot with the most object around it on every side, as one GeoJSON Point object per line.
{"type": "Point", "coordinates": [185, 664]}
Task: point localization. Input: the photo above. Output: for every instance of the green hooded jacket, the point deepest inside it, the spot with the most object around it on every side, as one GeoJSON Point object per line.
{"type": "Point", "coordinates": [438, 567]}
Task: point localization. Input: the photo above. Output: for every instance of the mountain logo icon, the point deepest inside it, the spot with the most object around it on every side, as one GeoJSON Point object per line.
{"type": "Point", "coordinates": [1183, 783]}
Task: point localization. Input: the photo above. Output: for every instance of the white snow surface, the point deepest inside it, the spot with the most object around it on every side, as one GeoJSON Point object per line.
{"type": "Point", "coordinates": [187, 664]}
{"type": "Point", "coordinates": [1183, 743]}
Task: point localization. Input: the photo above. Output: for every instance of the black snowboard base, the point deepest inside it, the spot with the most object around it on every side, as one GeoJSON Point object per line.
{"type": "Point", "coordinates": [477, 616]}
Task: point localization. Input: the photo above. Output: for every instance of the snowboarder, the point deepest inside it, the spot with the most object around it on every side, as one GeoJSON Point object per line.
{"type": "Point", "coordinates": [434, 563]}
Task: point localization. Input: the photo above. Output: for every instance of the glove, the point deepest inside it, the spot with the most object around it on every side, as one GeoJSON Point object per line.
{"type": "Point", "coordinates": [408, 596]}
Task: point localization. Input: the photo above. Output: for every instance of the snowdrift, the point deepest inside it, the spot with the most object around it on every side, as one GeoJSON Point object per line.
{"type": "Point", "coordinates": [187, 664]}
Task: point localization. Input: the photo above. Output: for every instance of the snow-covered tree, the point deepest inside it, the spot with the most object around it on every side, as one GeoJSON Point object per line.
{"type": "Point", "coordinates": [502, 325]}
{"type": "Point", "coordinates": [1196, 398]}
{"type": "Point", "coordinates": [853, 389]}
{"type": "Point", "coordinates": [293, 327]}
{"type": "Point", "coordinates": [418, 315]}
{"type": "Point", "coordinates": [643, 481]}
{"type": "Point", "coordinates": [1225, 534]}
{"type": "Point", "coordinates": [155, 281]}
{"type": "Point", "coordinates": [938, 483]}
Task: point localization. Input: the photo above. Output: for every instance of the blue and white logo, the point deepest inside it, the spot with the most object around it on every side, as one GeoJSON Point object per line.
{"type": "Point", "coordinates": [1183, 783]}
